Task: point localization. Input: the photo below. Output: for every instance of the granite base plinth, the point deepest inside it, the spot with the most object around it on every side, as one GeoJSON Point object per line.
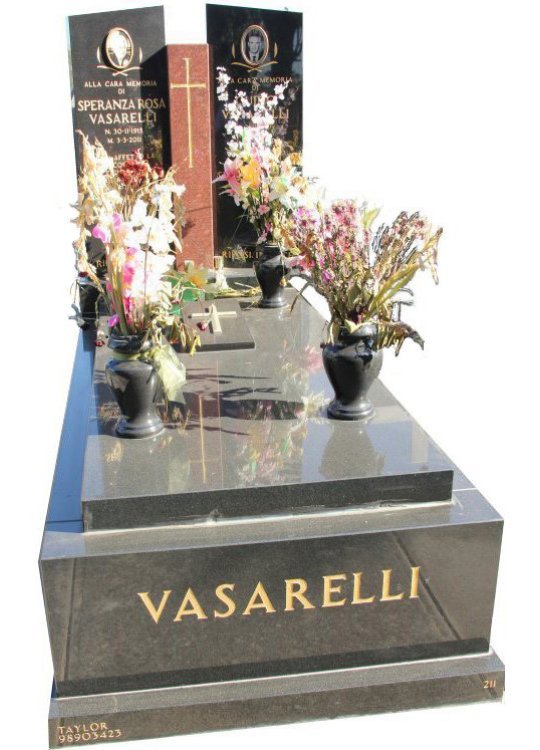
{"type": "Point", "coordinates": [238, 704]}
{"type": "Point", "coordinates": [267, 598]}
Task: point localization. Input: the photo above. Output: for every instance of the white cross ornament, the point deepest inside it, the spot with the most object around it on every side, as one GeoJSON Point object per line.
{"type": "Point", "coordinates": [212, 316]}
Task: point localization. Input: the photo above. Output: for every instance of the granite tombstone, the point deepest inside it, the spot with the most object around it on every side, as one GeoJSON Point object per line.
{"type": "Point", "coordinates": [361, 577]}
{"type": "Point", "coordinates": [258, 49]}
{"type": "Point", "coordinates": [119, 96]}
{"type": "Point", "coordinates": [119, 82]}
{"type": "Point", "coordinates": [256, 563]}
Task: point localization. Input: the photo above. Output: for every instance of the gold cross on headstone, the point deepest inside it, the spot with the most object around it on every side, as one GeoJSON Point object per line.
{"type": "Point", "coordinates": [212, 316]}
{"type": "Point", "coordinates": [188, 86]}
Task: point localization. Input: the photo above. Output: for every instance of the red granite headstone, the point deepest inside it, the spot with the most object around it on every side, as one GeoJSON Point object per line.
{"type": "Point", "coordinates": [192, 148]}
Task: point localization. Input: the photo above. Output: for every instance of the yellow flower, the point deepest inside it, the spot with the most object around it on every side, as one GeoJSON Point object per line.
{"type": "Point", "coordinates": [296, 158]}
{"type": "Point", "coordinates": [196, 276]}
{"type": "Point", "coordinates": [251, 174]}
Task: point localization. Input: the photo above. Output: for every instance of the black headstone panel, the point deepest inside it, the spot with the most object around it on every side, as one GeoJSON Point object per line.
{"type": "Point", "coordinates": [278, 60]}
{"type": "Point", "coordinates": [119, 82]}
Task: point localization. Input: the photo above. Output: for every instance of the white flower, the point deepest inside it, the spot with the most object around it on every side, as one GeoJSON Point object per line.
{"type": "Point", "coordinates": [138, 215]}
{"type": "Point", "coordinates": [160, 236]}
{"type": "Point", "coordinates": [280, 91]}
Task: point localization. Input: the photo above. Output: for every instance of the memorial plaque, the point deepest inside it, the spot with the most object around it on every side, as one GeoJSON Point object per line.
{"type": "Point", "coordinates": [259, 49]}
{"type": "Point", "coordinates": [192, 136]}
{"type": "Point", "coordinates": [119, 82]}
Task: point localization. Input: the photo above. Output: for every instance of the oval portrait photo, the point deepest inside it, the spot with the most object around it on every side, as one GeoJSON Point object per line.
{"type": "Point", "coordinates": [119, 48]}
{"type": "Point", "coordinates": [254, 45]}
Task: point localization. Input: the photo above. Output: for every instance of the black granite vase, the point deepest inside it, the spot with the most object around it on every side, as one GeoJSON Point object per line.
{"type": "Point", "coordinates": [352, 364]}
{"type": "Point", "coordinates": [136, 387]}
{"type": "Point", "coordinates": [270, 270]}
{"type": "Point", "coordinates": [88, 301]}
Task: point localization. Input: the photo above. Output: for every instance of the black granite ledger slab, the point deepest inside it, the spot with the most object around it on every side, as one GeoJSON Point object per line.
{"type": "Point", "coordinates": [259, 702]}
{"type": "Point", "coordinates": [252, 438]}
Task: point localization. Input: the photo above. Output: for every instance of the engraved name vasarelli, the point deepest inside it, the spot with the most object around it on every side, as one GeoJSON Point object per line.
{"type": "Point", "coordinates": [337, 590]}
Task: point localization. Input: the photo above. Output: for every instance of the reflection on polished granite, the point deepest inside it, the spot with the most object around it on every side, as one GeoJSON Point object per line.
{"type": "Point", "coordinates": [251, 437]}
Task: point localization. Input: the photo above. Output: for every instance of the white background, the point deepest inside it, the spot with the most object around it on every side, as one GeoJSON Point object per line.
{"type": "Point", "coordinates": [429, 104]}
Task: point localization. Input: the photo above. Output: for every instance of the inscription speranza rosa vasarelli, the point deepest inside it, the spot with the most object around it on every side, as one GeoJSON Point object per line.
{"type": "Point", "coordinates": [296, 596]}
{"type": "Point", "coordinates": [121, 111]}
{"type": "Point", "coordinates": [95, 731]}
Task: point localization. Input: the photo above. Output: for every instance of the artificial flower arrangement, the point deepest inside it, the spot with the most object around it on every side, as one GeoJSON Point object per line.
{"type": "Point", "coordinates": [363, 273]}
{"type": "Point", "coordinates": [136, 211]}
{"type": "Point", "coordinates": [261, 172]}
{"type": "Point", "coordinates": [262, 175]}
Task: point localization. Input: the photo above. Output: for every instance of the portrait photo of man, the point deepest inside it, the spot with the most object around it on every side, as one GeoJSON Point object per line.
{"type": "Point", "coordinates": [254, 45]}
{"type": "Point", "coordinates": [119, 48]}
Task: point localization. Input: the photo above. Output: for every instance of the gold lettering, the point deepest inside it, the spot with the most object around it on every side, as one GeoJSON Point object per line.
{"type": "Point", "coordinates": [154, 613]}
{"type": "Point", "coordinates": [190, 606]}
{"type": "Point", "coordinates": [415, 579]}
{"type": "Point", "coordinates": [220, 593]}
{"type": "Point", "coordinates": [387, 586]}
{"type": "Point", "coordinates": [357, 586]}
{"type": "Point", "coordinates": [329, 589]}
{"type": "Point", "coordinates": [264, 603]}
{"type": "Point", "coordinates": [295, 588]}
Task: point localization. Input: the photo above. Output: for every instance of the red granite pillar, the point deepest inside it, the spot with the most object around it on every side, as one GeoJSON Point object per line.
{"type": "Point", "coordinates": [192, 145]}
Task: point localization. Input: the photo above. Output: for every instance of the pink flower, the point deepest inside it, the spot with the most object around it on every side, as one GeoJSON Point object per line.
{"type": "Point", "coordinates": [231, 175]}
{"type": "Point", "coordinates": [113, 321]}
{"type": "Point", "coordinates": [263, 210]}
{"type": "Point", "coordinates": [100, 233]}
{"type": "Point", "coordinates": [306, 263]}
{"type": "Point", "coordinates": [128, 274]}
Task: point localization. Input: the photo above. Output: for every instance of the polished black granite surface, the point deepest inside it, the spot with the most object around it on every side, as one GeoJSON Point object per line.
{"type": "Point", "coordinates": [106, 595]}
{"type": "Point", "coordinates": [251, 437]}
{"type": "Point", "coordinates": [258, 702]}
